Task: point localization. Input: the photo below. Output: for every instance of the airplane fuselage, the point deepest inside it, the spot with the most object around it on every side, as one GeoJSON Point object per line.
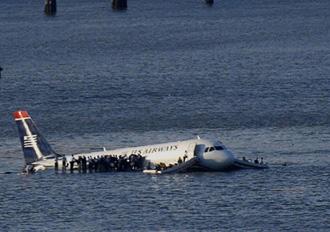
{"type": "Point", "coordinates": [215, 157]}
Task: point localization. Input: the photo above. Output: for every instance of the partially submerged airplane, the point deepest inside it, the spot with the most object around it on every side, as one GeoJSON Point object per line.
{"type": "Point", "coordinates": [201, 154]}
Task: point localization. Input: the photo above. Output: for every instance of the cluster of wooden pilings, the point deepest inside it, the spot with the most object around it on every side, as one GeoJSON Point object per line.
{"type": "Point", "coordinates": [50, 7]}
{"type": "Point", "coordinates": [209, 2]}
{"type": "Point", "coordinates": [119, 4]}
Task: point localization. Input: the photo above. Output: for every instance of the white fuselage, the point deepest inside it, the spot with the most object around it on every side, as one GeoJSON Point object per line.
{"type": "Point", "coordinates": [216, 156]}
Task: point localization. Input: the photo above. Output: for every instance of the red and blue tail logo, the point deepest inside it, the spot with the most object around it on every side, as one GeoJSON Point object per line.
{"type": "Point", "coordinates": [34, 145]}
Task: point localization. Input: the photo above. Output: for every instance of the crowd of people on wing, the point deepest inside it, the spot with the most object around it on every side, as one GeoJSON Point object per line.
{"type": "Point", "coordinates": [108, 163]}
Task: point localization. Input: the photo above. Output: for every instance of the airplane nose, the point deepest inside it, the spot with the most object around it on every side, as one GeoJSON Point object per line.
{"type": "Point", "coordinates": [217, 160]}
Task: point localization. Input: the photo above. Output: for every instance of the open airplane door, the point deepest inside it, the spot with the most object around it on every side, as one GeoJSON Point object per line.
{"type": "Point", "coordinates": [195, 150]}
{"type": "Point", "coordinates": [199, 150]}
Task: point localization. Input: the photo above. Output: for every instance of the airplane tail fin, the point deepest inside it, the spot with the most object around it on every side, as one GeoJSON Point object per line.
{"type": "Point", "coordinates": [35, 147]}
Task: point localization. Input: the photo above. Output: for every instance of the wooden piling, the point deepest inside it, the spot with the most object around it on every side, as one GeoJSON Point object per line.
{"type": "Point", "coordinates": [119, 4]}
{"type": "Point", "coordinates": [209, 2]}
{"type": "Point", "coordinates": [50, 7]}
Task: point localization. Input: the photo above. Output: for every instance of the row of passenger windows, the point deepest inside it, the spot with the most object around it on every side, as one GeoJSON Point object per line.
{"type": "Point", "coordinates": [209, 149]}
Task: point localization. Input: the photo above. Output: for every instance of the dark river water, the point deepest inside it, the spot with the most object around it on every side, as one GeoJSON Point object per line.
{"type": "Point", "coordinates": [253, 73]}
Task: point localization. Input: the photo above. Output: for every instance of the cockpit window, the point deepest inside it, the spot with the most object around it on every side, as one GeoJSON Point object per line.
{"type": "Point", "coordinates": [207, 149]}
{"type": "Point", "coordinates": [218, 148]}
{"type": "Point", "coordinates": [212, 149]}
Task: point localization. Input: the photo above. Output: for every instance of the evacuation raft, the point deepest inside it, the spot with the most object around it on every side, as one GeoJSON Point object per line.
{"type": "Point", "coordinates": [245, 164]}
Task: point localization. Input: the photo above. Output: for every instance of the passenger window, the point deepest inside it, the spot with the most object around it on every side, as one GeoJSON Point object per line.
{"type": "Point", "coordinates": [212, 149]}
{"type": "Point", "coordinates": [218, 148]}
